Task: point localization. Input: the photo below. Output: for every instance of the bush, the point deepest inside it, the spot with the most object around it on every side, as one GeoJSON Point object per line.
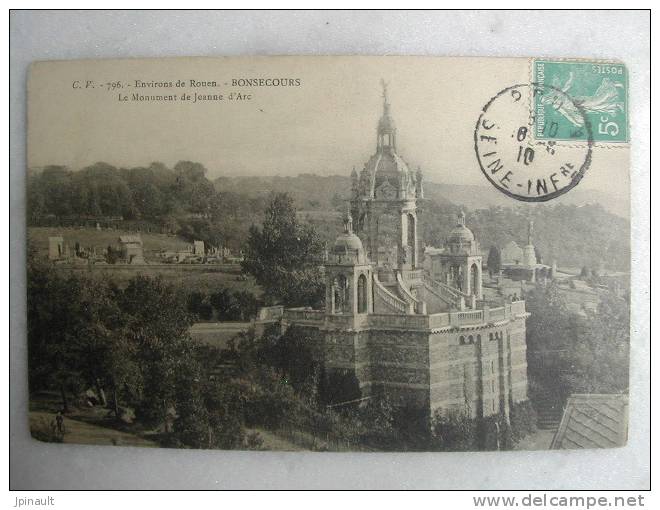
{"type": "Point", "coordinates": [254, 441]}
{"type": "Point", "coordinates": [453, 431]}
{"type": "Point", "coordinates": [494, 433]}
{"type": "Point", "coordinates": [523, 420]}
{"type": "Point", "coordinates": [43, 430]}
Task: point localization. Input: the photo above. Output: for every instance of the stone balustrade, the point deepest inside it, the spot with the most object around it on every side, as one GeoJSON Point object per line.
{"type": "Point", "coordinates": [303, 314]}
{"type": "Point", "coordinates": [398, 305]}
{"type": "Point", "coordinates": [406, 321]}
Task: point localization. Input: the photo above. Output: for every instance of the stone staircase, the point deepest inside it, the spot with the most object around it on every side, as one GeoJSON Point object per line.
{"type": "Point", "coordinates": [549, 409]}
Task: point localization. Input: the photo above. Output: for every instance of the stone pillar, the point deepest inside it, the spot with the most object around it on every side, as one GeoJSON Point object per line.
{"type": "Point", "coordinates": [416, 262]}
{"type": "Point", "coordinates": [480, 379]}
{"type": "Point", "coordinates": [352, 291]}
{"type": "Point", "coordinates": [467, 284]}
{"type": "Point", "coordinates": [402, 240]}
{"type": "Point", "coordinates": [372, 235]}
{"type": "Point", "coordinates": [504, 362]}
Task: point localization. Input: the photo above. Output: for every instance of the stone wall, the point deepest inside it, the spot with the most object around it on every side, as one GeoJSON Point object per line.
{"type": "Point", "coordinates": [480, 368]}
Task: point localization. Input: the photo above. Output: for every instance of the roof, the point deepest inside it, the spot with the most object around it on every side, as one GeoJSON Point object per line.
{"type": "Point", "coordinates": [387, 166]}
{"type": "Point", "coordinates": [593, 421]}
{"type": "Point", "coordinates": [460, 233]}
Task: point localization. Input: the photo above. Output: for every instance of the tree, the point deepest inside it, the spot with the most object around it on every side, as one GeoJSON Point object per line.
{"type": "Point", "coordinates": [284, 256]}
{"type": "Point", "coordinates": [192, 186]}
{"type": "Point", "coordinates": [224, 404]}
{"type": "Point", "coordinates": [225, 305]}
{"type": "Point", "coordinates": [551, 331]}
{"type": "Point", "coordinates": [158, 325]}
{"type": "Point", "coordinates": [494, 262]}
{"type": "Point", "coordinates": [246, 302]}
{"type": "Point", "coordinates": [59, 319]}
{"type": "Point", "coordinates": [600, 357]}
{"type": "Point", "coordinates": [198, 304]}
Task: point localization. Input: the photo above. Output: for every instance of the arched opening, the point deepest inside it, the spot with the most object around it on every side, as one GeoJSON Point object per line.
{"type": "Point", "coordinates": [474, 279]}
{"type": "Point", "coordinates": [362, 294]}
{"type": "Point", "coordinates": [411, 240]}
{"type": "Point", "coordinates": [455, 277]}
{"type": "Point", "coordinates": [461, 340]}
{"type": "Point", "coordinates": [341, 294]}
{"type": "Point", "coordinates": [386, 236]}
{"type": "Point", "coordinates": [470, 339]}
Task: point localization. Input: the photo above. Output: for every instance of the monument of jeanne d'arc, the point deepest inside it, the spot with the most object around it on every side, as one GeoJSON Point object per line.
{"type": "Point", "coordinates": [426, 338]}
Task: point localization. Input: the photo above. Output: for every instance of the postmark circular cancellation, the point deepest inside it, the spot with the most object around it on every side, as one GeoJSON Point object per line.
{"type": "Point", "coordinates": [513, 152]}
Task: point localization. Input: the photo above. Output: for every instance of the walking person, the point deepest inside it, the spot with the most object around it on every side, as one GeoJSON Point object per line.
{"type": "Point", "coordinates": [59, 419]}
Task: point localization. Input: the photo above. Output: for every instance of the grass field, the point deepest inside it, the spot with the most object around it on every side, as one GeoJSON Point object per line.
{"type": "Point", "coordinates": [202, 278]}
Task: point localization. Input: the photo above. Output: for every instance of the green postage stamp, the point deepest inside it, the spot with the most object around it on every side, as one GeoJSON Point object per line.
{"type": "Point", "coordinates": [580, 101]}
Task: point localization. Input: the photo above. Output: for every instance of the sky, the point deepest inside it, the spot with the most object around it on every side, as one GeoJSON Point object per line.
{"type": "Point", "coordinates": [325, 126]}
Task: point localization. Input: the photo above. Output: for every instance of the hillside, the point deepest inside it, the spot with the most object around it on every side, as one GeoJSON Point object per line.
{"type": "Point", "coordinates": [580, 228]}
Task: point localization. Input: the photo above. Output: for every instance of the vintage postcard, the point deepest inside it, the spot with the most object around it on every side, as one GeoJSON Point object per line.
{"type": "Point", "coordinates": [329, 253]}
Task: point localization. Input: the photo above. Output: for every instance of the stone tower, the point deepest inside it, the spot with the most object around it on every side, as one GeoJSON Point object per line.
{"type": "Point", "coordinates": [461, 260]}
{"type": "Point", "coordinates": [384, 201]}
{"type": "Point", "coordinates": [348, 275]}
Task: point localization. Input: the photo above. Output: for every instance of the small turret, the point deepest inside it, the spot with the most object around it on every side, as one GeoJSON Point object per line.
{"type": "Point", "coordinates": [355, 189]}
{"type": "Point", "coordinates": [419, 189]}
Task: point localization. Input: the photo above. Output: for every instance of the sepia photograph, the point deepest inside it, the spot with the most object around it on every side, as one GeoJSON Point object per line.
{"type": "Point", "coordinates": [329, 254]}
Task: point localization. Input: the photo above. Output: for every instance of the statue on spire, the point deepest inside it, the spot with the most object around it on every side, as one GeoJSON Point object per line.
{"type": "Point", "coordinates": [348, 220]}
{"type": "Point", "coordinates": [384, 84]}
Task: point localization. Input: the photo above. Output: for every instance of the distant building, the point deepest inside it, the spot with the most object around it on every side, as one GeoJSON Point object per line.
{"type": "Point", "coordinates": [593, 421]}
{"type": "Point", "coordinates": [520, 263]}
{"type": "Point", "coordinates": [198, 248]}
{"type": "Point", "coordinates": [56, 248]}
{"type": "Point", "coordinates": [131, 249]}
{"type": "Point", "coordinates": [424, 339]}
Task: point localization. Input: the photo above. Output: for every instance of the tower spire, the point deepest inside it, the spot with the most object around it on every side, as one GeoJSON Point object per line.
{"type": "Point", "coordinates": [386, 127]}
{"type": "Point", "coordinates": [530, 231]}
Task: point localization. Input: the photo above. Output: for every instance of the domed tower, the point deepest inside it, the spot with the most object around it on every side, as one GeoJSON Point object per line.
{"type": "Point", "coordinates": [348, 275]}
{"type": "Point", "coordinates": [461, 260]}
{"type": "Point", "coordinates": [385, 204]}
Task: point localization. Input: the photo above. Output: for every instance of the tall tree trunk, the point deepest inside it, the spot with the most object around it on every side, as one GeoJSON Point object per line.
{"type": "Point", "coordinates": [115, 402]}
{"type": "Point", "coordinates": [101, 393]}
{"type": "Point", "coordinates": [65, 403]}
